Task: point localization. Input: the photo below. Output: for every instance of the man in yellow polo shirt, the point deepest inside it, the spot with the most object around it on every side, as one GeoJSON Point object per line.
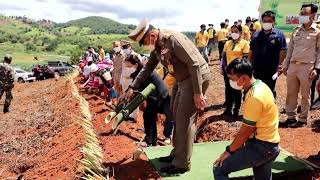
{"type": "Point", "coordinates": [257, 143]}
{"type": "Point", "coordinates": [245, 30]}
{"type": "Point", "coordinates": [256, 26]}
{"type": "Point", "coordinates": [202, 39]}
{"type": "Point", "coordinates": [211, 32]}
{"type": "Point", "coordinates": [222, 37]}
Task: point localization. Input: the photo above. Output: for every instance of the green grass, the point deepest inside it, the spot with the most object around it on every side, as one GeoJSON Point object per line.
{"type": "Point", "coordinates": [66, 49]}
{"type": "Point", "coordinates": [25, 60]}
{"type": "Point", "coordinates": [71, 29]}
{"type": "Point", "coordinates": [204, 154]}
{"type": "Point", "coordinates": [85, 31]}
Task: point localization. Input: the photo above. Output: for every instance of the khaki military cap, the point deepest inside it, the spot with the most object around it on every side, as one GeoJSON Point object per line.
{"type": "Point", "coordinates": [139, 33]}
{"type": "Point", "coordinates": [125, 42]}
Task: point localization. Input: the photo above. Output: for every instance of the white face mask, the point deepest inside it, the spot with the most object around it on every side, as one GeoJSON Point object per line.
{"type": "Point", "coordinates": [149, 48]}
{"type": "Point", "coordinates": [116, 49]}
{"type": "Point", "coordinates": [234, 85]}
{"type": "Point", "coordinates": [127, 71]}
{"type": "Point", "coordinates": [235, 36]}
{"type": "Point", "coordinates": [267, 26]}
{"type": "Point", "coordinates": [127, 52]}
{"type": "Point", "coordinates": [304, 19]}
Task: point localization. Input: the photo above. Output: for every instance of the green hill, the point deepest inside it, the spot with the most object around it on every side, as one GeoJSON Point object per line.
{"type": "Point", "coordinates": [46, 40]}
{"type": "Point", "coordinates": [99, 25]}
{"type": "Point", "coordinates": [24, 37]}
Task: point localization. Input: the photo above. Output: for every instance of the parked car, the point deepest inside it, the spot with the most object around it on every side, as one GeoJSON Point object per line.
{"type": "Point", "coordinates": [22, 76]}
{"type": "Point", "coordinates": [60, 68]}
{"type": "Point", "coordinates": [42, 72]}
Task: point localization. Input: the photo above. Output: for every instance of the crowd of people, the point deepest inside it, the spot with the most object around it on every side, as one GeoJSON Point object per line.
{"type": "Point", "coordinates": [266, 50]}
{"type": "Point", "coordinates": [252, 56]}
{"type": "Point", "coordinates": [111, 77]}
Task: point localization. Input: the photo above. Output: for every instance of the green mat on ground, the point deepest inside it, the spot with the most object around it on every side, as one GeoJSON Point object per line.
{"type": "Point", "coordinates": [205, 153]}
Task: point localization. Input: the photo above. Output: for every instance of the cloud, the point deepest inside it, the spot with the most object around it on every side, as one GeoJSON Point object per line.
{"type": "Point", "coordinates": [42, 1]}
{"type": "Point", "coordinates": [180, 15]}
{"type": "Point", "coordinates": [11, 7]}
{"type": "Point", "coordinates": [120, 10]}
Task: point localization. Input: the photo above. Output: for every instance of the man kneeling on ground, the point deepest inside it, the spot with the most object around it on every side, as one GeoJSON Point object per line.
{"type": "Point", "coordinates": [256, 144]}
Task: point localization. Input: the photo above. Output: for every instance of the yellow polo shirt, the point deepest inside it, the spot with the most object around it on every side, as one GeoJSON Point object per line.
{"type": "Point", "coordinates": [222, 35]}
{"type": "Point", "coordinates": [210, 33]}
{"type": "Point", "coordinates": [229, 29]}
{"type": "Point", "coordinates": [246, 32]}
{"type": "Point", "coordinates": [168, 80]}
{"type": "Point", "coordinates": [261, 111]}
{"type": "Point", "coordinates": [202, 39]}
{"type": "Point", "coordinates": [234, 51]}
{"type": "Point", "coordinates": [257, 26]}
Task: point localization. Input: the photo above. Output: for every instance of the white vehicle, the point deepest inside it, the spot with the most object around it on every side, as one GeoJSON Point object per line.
{"type": "Point", "coordinates": [22, 76]}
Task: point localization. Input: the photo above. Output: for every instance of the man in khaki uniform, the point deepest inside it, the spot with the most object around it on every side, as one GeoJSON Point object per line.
{"type": "Point", "coordinates": [180, 56]}
{"type": "Point", "coordinates": [118, 59]}
{"type": "Point", "coordinates": [301, 65]}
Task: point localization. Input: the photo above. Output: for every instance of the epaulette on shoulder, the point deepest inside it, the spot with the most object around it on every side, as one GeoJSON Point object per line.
{"type": "Point", "coordinates": [166, 34]}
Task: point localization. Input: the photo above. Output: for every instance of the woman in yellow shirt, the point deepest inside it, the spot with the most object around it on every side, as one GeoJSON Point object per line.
{"type": "Point", "coordinates": [233, 49]}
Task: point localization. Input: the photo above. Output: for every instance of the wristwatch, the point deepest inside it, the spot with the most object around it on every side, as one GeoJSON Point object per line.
{"type": "Point", "coordinates": [228, 150]}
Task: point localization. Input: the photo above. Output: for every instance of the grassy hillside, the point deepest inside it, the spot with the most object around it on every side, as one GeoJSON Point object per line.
{"type": "Point", "coordinates": [47, 40]}
{"type": "Point", "coordinates": [99, 25]}
{"type": "Point", "coordinates": [26, 40]}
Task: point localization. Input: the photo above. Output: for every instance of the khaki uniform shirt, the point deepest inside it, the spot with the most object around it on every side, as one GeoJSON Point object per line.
{"type": "Point", "coordinates": [175, 50]}
{"type": "Point", "coordinates": [118, 60]}
{"type": "Point", "coordinates": [304, 47]}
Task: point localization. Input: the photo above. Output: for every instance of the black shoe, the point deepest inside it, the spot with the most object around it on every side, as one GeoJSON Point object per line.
{"type": "Point", "coordinates": [166, 159]}
{"type": "Point", "coordinates": [298, 124]}
{"type": "Point", "coordinates": [236, 117]}
{"type": "Point", "coordinates": [287, 123]}
{"type": "Point", "coordinates": [6, 109]}
{"type": "Point", "coordinates": [227, 115]}
{"type": "Point", "coordinates": [224, 104]}
{"type": "Point", "coordinates": [174, 170]}
{"type": "Point", "coordinates": [299, 109]}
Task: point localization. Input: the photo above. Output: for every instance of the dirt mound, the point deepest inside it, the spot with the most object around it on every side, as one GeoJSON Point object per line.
{"type": "Point", "coordinates": [39, 137]}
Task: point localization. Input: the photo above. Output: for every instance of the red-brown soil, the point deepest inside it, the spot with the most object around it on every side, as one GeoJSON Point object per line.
{"type": "Point", "coordinates": [39, 138]}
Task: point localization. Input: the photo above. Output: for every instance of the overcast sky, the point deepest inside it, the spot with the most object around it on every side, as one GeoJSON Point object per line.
{"type": "Point", "coordinates": [182, 15]}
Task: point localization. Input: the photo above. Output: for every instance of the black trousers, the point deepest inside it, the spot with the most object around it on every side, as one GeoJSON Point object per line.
{"type": "Point", "coordinates": [267, 79]}
{"type": "Point", "coordinates": [220, 47]}
{"type": "Point", "coordinates": [9, 97]}
{"type": "Point", "coordinates": [233, 97]}
{"type": "Point", "coordinates": [168, 123]}
{"type": "Point", "coordinates": [149, 120]}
